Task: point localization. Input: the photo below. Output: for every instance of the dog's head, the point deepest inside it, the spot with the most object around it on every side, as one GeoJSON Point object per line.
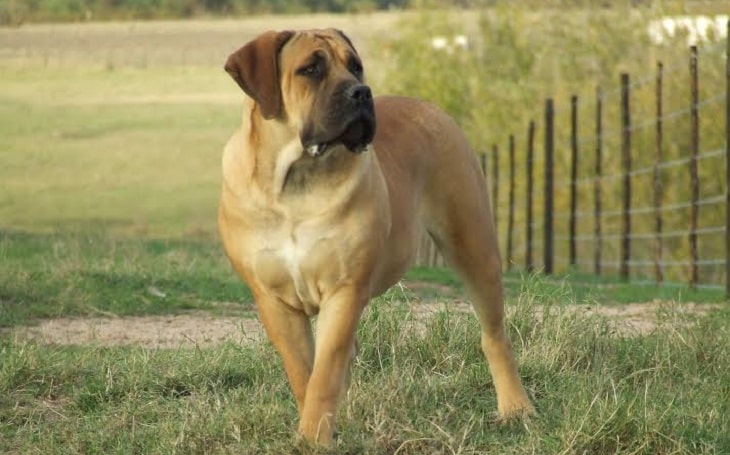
{"type": "Point", "coordinates": [314, 81]}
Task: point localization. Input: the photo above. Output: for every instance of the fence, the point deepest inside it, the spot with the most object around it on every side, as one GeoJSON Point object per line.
{"type": "Point", "coordinates": [634, 182]}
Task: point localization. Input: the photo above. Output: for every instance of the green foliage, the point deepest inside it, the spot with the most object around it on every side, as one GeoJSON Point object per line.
{"type": "Point", "coordinates": [15, 12]}
{"type": "Point", "coordinates": [514, 59]}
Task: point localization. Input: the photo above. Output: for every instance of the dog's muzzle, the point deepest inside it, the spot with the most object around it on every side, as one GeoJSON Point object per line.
{"type": "Point", "coordinates": [354, 119]}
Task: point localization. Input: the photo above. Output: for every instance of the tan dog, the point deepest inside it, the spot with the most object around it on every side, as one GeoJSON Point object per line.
{"type": "Point", "coordinates": [319, 213]}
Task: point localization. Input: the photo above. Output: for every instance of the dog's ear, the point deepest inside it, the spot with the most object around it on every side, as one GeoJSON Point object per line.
{"type": "Point", "coordinates": [255, 67]}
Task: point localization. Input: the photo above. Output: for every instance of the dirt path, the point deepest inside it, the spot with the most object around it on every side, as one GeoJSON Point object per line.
{"type": "Point", "coordinates": [203, 329]}
{"type": "Point", "coordinates": [171, 331]}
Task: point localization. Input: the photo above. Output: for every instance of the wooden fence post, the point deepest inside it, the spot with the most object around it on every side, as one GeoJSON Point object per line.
{"type": "Point", "coordinates": [693, 171]}
{"type": "Point", "coordinates": [658, 188]}
{"type": "Point", "coordinates": [511, 213]}
{"type": "Point", "coordinates": [530, 185]}
{"type": "Point", "coordinates": [626, 164]}
{"type": "Point", "coordinates": [573, 178]}
{"type": "Point", "coordinates": [597, 182]}
{"type": "Point", "coordinates": [548, 215]}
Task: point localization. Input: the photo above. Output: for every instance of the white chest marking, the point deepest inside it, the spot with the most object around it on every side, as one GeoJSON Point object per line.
{"type": "Point", "coordinates": [293, 264]}
{"type": "Point", "coordinates": [293, 253]}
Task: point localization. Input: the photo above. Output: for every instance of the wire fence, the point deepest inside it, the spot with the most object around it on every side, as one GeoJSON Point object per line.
{"type": "Point", "coordinates": [631, 181]}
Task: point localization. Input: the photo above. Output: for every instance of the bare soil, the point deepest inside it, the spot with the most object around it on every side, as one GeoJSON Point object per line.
{"type": "Point", "coordinates": [171, 331]}
{"type": "Point", "coordinates": [201, 329]}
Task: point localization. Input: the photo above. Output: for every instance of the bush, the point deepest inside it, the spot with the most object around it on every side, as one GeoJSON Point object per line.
{"type": "Point", "coordinates": [13, 13]}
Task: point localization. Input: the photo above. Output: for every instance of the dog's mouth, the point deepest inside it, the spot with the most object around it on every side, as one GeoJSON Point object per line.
{"type": "Point", "coordinates": [356, 135]}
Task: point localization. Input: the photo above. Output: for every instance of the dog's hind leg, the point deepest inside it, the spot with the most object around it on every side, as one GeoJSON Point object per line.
{"type": "Point", "coordinates": [460, 223]}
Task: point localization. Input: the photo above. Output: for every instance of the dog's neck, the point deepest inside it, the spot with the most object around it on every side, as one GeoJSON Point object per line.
{"type": "Point", "coordinates": [269, 152]}
{"type": "Point", "coordinates": [280, 166]}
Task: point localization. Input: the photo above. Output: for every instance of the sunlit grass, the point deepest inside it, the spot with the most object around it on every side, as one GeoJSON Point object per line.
{"type": "Point", "coordinates": [125, 149]}
{"type": "Point", "coordinates": [414, 391]}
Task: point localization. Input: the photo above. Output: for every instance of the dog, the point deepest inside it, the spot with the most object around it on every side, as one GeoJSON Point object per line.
{"type": "Point", "coordinates": [326, 190]}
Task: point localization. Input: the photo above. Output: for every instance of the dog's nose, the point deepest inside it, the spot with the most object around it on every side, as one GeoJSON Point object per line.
{"type": "Point", "coordinates": [360, 93]}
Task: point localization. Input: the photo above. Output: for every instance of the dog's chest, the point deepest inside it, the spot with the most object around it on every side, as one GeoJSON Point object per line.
{"type": "Point", "coordinates": [298, 264]}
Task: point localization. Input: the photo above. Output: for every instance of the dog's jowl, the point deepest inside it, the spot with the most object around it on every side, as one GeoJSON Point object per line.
{"type": "Point", "coordinates": [325, 192]}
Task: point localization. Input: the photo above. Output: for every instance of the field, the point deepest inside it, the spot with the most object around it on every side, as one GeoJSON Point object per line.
{"type": "Point", "coordinates": [124, 330]}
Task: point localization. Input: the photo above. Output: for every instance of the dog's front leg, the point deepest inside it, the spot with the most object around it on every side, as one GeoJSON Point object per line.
{"type": "Point", "coordinates": [336, 332]}
{"type": "Point", "coordinates": [290, 332]}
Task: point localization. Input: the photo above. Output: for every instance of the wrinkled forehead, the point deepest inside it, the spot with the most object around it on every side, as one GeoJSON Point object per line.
{"type": "Point", "coordinates": [328, 43]}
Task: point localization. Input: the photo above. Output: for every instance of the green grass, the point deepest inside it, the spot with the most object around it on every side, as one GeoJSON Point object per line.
{"type": "Point", "coordinates": [584, 288]}
{"type": "Point", "coordinates": [52, 275]}
{"type": "Point", "coordinates": [595, 392]}
{"type": "Point", "coordinates": [92, 274]}
{"type": "Point", "coordinates": [79, 150]}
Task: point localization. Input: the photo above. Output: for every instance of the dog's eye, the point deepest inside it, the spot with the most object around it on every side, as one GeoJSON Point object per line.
{"type": "Point", "coordinates": [312, 70]}
{"type": "Point", "coordinates": [355, 67]}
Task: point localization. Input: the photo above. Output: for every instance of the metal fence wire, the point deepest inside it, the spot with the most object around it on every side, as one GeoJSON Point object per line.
{"type": "Point", "coordinates": [634, 181]}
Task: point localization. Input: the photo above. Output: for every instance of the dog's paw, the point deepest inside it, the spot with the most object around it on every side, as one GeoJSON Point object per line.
{"type": "Point", "coordinates": [517, 408]}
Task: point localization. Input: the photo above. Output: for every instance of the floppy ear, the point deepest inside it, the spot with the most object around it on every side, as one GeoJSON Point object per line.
{"type": "Point", "coordinates": [255, 67]}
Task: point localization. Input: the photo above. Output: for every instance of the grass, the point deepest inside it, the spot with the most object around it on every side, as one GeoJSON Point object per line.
{"type": "Point", "coordinates": [413, 391]}
{"type": "Point", "coordinates": [71, 159]}
{"type": "Point", "coordinates": [595, 392]}
{"type": "Point", "coordinates": [584, 288]}
{"type": "Point", "coordinates": [97, 274]}
{"type": "Point", "coordinates": [53, 275]}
